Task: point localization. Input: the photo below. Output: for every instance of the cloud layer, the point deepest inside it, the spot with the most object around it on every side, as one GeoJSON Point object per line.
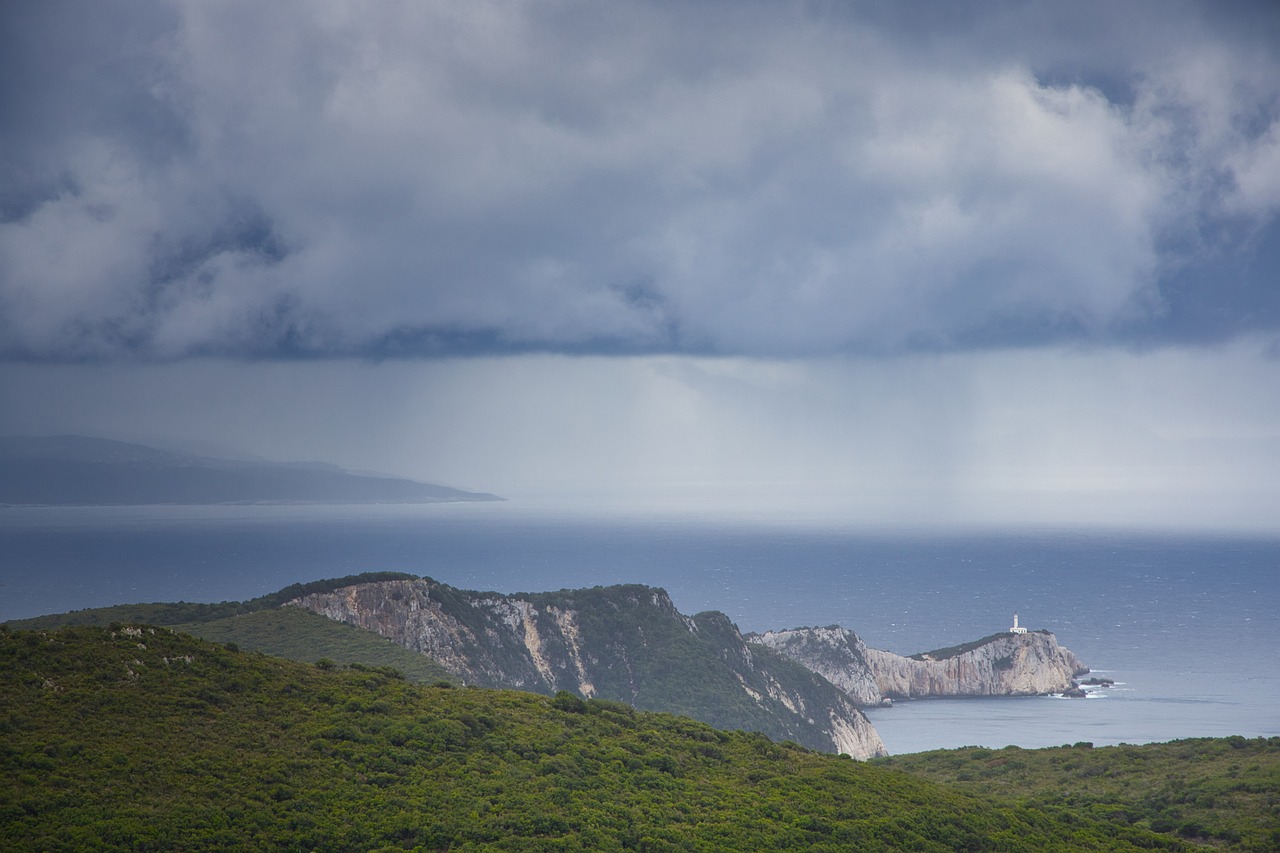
{"type": "Point", "coordinates": [333, 179]}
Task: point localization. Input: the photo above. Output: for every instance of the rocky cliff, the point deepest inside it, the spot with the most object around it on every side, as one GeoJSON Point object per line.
{"type": "Point", "coordinates": [835, 653]}
{"type": "Point", "coordinates": [627, 643]}
{"type": "Point", "coordinates": [999, 665]}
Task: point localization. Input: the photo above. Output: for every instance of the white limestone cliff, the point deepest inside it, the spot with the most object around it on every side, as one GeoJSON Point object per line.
{"type": "Point", "coordinates": [1005, 664]}
{"type": "Point", "coordinates": [620, 643]}
{"type": "Point", "coordinates": [835, 653]}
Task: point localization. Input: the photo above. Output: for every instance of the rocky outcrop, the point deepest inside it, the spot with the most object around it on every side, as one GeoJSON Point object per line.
{"type": "Point", "coordinates": [835, 653]}
{"type": "Point", "coordinates": [626, 643]}
{"type": "Point", "coordinates": [1000, 665]}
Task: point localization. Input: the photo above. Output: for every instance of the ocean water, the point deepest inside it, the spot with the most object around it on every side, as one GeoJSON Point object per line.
{"type": "Point", "coordinates": [1185, 624]}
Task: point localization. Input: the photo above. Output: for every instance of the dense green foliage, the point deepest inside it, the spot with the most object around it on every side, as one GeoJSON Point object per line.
{"type": "Point", "coordinates": [184, 612]}
{"type": "Point", "coordinates": [1223, 791]}
{"type": "Point", "coordinates": [297, 634]}
{"type": "Point", "coordinates": [148, 740]}
{"type": "Point", "coordinates": [643, 652]}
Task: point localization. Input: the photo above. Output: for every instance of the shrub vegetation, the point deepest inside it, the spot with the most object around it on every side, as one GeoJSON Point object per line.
{"type": "Point", "coordinates": [186, 612]}
{"type": "Point", "coordinates": [297, 634]}
{"type": "Point", "coordinates": [1224, 792]}
{"type": "Point", "coordinates": [129, 737]}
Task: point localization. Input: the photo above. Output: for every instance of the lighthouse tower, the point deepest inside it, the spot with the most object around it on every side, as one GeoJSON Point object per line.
{"type": "Point", "coordinates": [1015, 629]}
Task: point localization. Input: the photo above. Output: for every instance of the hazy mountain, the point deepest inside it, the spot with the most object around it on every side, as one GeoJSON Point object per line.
{"type": "Point", "coordinates": [74, 469]}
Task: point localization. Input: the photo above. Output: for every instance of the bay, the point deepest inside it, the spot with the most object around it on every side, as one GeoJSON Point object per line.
{"type": "Point", "coordinates": [1185, 623]}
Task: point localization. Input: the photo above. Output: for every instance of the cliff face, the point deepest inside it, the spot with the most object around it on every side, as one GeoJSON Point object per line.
{"type": "Point", "coordinates": [627, 643]}
{"type": "Point", "coordinates": [835, 653]}
{"type": "Point", "coordinates": [999, 665]}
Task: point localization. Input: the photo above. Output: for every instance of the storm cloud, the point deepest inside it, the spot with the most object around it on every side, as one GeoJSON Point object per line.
{"type": "Point", "coordinates": [334, 179]}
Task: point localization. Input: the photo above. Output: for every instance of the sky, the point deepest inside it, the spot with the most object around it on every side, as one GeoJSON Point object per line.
{"type": "Point", "coordinates": [930, 262]}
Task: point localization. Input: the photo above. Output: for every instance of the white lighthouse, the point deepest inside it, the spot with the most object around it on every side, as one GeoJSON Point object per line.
{"type": "Point", "coordinates": [1016, 629]}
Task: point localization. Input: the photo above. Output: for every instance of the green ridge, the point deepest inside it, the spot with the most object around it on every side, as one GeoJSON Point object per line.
{"type": "Point", "coordinates": [644, 655]}
{"type": "Point", "coordinates": [151, 740]}
{"type": "Point", "coordinates": [297, 634]}
{"type": "Point", "coordinates": [1219, 791]}
{"type": "Point", "coordinates": [185, 612]}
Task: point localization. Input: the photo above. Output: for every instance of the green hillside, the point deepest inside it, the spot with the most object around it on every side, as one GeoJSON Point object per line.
{"type": "Point", "coordinates": [125, 738]}
{"type": "Point", "coordinates": [1219, 791]}
{"type": "Point", "coordinates": [262, 624]}
{"type": "Point", "coordinates": [186, 612]}
{"type": "Point", "coordinates": [297, 634]}
{"type": "Point", "coordinates": [636, 647]}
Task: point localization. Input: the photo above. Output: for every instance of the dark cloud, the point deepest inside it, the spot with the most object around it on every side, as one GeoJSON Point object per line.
{"type": "Point", "coordinates": [76, 71]}
{"type": "Point", "coordinates": [330, 179]}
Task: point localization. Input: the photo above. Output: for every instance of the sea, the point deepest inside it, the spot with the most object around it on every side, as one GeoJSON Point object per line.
{"type": "Point", "coordinates": [1186, 624]}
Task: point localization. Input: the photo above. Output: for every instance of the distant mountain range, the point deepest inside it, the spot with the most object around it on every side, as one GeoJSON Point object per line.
{"type": "Point", "coordinates": [79, 470]}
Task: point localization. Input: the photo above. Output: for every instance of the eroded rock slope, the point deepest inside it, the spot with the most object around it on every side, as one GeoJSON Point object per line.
{"type": "Point", "coordinates": [626, 643]}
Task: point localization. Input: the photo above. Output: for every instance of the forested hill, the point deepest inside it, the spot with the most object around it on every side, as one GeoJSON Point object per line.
{"type": "Point", "coordinates": [630, 639]}
{"type": "Point", "coordinates": [132, 737]}
{"type": "Point", "coordinates": [1221, 792]}
{"type": "Point", "coordinates": [627, 643]}
{"type": "Point", "coordinates": [79, 470]}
